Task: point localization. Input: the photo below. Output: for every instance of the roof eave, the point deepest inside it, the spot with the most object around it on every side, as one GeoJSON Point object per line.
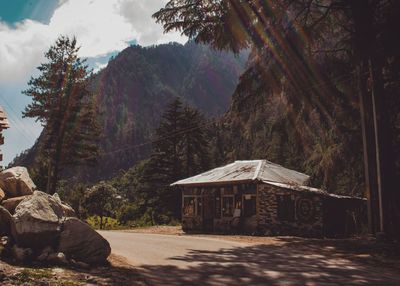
{"type": "Point", "coordinates": [208, 184]}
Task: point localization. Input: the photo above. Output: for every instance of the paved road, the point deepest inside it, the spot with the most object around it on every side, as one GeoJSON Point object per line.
{"type": "Point", "coordinates": [156, 249]}
{"type": "Point", "coordinates": [183, 260]}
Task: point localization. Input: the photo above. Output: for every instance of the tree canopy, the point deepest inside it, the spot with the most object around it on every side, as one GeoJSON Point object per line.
{"type": "Point", "coordinates": [62, 102]}
{"type": "Point", "coordinates": [294, 45]}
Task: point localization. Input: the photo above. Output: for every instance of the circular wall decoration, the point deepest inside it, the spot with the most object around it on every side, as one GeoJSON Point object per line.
{"type": "Point", "coordinates": [305, 209]}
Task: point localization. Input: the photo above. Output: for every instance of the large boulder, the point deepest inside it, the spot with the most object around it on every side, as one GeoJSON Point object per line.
{"type": "Point", "coordinates": [80, 242]}
{"type": "Point", "coordinates": [5, 221]}
{"type": "Point", "coordinates": [68, 211]}
{"type": "Point", "coordinates": [16, 182]}
{"type": "Point", "coordinates": [37, 221]}
{"type": "Point", "coordinates": [2, 195]}
{"type": "Point", "coordinates": [11, 204]}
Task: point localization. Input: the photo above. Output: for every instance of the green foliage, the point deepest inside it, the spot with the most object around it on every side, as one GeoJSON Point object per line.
{"type": "Point", "coordinates": [62, 102]}
{"type": "Point", "coordinates": [31, 275]}
{"type": "Point", "coordinates": [216, 22]}
{"type": "Point", "coordinates": [101, 200]}
{"type": "Point", "coordinates": [65, 283]}
{"type": "Point", "coordinates": [74, 195]}
{"type": "Point", "coordinates": [106, 222]}
{"type": "Point", "coordinates": [131, 95]}
{"type": "Point", "coordinates": [301, 49]}
{"type": "Point", "coordinates": [128, 213]}
{"type": "Point", "coordinates": [180, 150]}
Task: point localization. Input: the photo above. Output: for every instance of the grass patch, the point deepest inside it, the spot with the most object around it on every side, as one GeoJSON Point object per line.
{"type": "Point", "coordinates": [33, 276]}
{"type": "Point", "coordinates": [65, 283]}
{"type": "Point", "coordinates": [108, 223]}
{"type": "Point", "coordinates": [30, 275]}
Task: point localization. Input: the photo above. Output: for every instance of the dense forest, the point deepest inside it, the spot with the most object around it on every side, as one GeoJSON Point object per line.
{"type": "Point", "coordinates": [335, 65]}
{"type": "Point", "coordinates": [319, 94]}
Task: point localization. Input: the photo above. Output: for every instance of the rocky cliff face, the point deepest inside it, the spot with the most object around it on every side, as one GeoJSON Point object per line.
{"type": "Point", "coordinates": [269, 119]}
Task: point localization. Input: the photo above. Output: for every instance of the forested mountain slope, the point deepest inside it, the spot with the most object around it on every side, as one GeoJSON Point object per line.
{"type": "Point", "coordinates": [132, 91]}
{"type": "Point", "coordinates": [268, 119]}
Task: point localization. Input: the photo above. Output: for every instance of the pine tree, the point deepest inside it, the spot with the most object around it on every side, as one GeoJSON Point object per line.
{"type": "Point", "coordinates": [180, 149]}
{"type": "Point", "coordinates": [195, 147]}
{"type": "Point", "coordinates": [62, 102]}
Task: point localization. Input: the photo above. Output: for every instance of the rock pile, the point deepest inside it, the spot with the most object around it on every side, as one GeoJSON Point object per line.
{"type": "Point", "coordinates": [38, 226]}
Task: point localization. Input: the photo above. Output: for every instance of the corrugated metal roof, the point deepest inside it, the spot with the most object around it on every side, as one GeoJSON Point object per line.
{"type": "Point", "coordinates": [242, 171]}
{"type": "Point", "coordinates": [310, 189]}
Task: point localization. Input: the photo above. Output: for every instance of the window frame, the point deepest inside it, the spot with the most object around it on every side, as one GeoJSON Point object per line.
{"type": "Point", "coordinates": [288, 215]}
{"type": "Point", "coordinates": [197, 201]}
{"type": "Point", "coordinates": [243, 205]}
{"type": "Point", "coordinates": [222, 205]}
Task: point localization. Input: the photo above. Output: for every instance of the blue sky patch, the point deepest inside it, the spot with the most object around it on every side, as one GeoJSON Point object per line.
{"type": "Point", "coordinates": [13, 11]}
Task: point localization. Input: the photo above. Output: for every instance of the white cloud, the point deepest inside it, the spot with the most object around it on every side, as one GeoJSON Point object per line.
{"type": "Point", "coordinates": [101, 27]}
{"type": "Point", "coordinates": [138, 13]}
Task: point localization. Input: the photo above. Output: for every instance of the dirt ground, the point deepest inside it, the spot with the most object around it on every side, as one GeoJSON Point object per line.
{"type": "Point", "coordinates": [366, 251]}
{"type": "Point", "coordinates": [118, 272]}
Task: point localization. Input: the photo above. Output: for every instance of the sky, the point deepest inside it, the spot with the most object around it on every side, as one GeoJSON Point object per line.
{"type": "Point", "coordinates": [28, 28]}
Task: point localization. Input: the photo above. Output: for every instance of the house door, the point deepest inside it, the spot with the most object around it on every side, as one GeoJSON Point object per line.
{"type": "Point", "coordinates": [208, 212]}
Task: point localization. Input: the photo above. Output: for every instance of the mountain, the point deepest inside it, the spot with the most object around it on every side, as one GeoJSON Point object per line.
{"type": "Point", "coordinates": [269, 119]}
{"type": "Point", "coordinates": [133, 90]}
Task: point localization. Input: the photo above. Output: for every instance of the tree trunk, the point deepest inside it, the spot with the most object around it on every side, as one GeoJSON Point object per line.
{"type": "Point", "coordinates": [386, 177]}
{"type": "Point", "coordinates": [364, 44]}
{"type": "Point", "coordinates": [367, 125]}
{"type": "Point", "coordinates": [384, 202]}
{"type": "Point", "coordinates": [54, 166]}
{"type": "Point", "coordinates": [49, 175]}
{"type": "Point", "coordinates": [54, 179]}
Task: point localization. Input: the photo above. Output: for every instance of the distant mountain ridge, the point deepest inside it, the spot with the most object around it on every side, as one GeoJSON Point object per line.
{"type": "Point", "coordinates": [134, 88]}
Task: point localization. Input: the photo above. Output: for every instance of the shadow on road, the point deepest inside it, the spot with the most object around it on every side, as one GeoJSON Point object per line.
{"type": "Point", "coordinates": [289, 261]}
{"type": "Point", "coordinates": [296, 262]}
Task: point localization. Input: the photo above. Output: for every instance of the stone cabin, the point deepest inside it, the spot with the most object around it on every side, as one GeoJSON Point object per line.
{"type": "Point", "coordinates": [260, 197]}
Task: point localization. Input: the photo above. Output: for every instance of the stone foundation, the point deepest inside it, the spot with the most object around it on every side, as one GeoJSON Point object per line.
{"type": "Point", "coordinates": [307, 219]}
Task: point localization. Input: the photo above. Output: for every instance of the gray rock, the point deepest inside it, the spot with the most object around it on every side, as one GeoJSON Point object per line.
{"type": "Point", "coordinates": [57, 198]}
{"type": "Point", "coordinates": [21, 254]}
{"type": "Point", "coordinates": [80, 242]}
{"type": "Point", "coordinates": [2, 195]}
{"type": "Point", "coordinates": [45, 253]}
{"type": "Point", "coordinates": [5, 221]}
{"type": "Point", "coordinates": [68, 211]}
{"type": "Point", "coordinates": [37, 221]}
{"type": "Point", "coordinates": [15, 182]}
{"type": "Point", "coordinates": [57, 258]}
{"type": "Point", "coordinates": [11, 204]}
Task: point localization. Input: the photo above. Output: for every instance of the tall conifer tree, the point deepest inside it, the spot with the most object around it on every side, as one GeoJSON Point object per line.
{"type": "Point", "coordinates": [62, 102]}
{"type": "Point", "coordinates": [180, 149]}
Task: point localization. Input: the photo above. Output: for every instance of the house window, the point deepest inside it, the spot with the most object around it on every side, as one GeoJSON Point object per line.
{"type": "Point", "coordinates": [192, 206]}
{"type": "Point", "coordinates": [227, 206]}
{"type": "Point", "coordinates": [285, 206]}
{"type": "Point", "coordinates": [249, 205]}
{"type": "Point", "coordinates": [199, 206]}
{"type": "Point", "coordinates": [218, 204]}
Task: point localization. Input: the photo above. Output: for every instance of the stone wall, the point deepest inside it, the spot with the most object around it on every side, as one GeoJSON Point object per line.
{"type": "Point", "coordinates": [192, 224]}
{"type": "Point", "coordinates": [307, 219]}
